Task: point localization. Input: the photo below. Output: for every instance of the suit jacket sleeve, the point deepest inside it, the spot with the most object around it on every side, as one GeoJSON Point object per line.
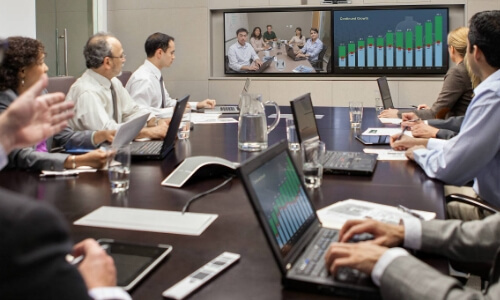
{"type": "Point", "coordinates": [29, 158]}
{"type": "Point", "coordinates": [70, 139]}
{"type": "Point", "coordinates": [452, 123]}
{"type": "Point", "coordinates": [33, 244]}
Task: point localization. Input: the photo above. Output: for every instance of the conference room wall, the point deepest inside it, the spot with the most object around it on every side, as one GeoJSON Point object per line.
{"type": "Point", "coordinates": [197, 26]}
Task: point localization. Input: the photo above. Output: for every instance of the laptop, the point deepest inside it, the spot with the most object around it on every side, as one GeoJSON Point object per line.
{"type": "Point", "coordinates": [335, 162]}
{"type": "Point", "coordinates": [129, 130]}
{"type": "Point", "coordinates": [228, 109]}
{"type": "Point", "coordinates": [291, 53]}
{"type": "Point", "coordinates": [292, 228]}
{"type": "Point", "coordinates": [160, 149]}
{"type": "Point", "coordinates": [262, 67]}
{"type": "Point", "coordinates": [385, 93]}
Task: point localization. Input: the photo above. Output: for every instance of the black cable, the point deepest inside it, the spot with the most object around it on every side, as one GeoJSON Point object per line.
{"type": "Point", "coordinates": [186, 206]}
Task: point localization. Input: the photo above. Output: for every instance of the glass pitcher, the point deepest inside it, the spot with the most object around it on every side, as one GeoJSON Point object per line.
{"type": "Point", "coordinates": [252, 124]}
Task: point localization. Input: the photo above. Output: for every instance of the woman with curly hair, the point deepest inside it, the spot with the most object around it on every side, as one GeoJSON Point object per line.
{"type": "Point", "coordinates": [23, 65]}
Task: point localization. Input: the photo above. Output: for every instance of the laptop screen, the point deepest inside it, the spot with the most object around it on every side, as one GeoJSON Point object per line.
{"type": "Point", "coordinates": [283, 200]}
{"type": "Point", "coordinates": [385, 93]}
{"type": "Point", "coordinates": [305, 121]}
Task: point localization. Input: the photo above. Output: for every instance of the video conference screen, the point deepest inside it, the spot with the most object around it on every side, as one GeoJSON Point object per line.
{"type": "Point", "coordinates": [390, 41]}
{"type": "Point", "coordinates": [369, 41]}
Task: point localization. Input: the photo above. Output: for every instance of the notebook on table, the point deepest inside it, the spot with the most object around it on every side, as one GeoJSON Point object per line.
{"type": "Point", "coordinates": [292, 228]}
{"type": "Point", "coordinates": [160, 149]}
{"type": "Point", "coordinates": [336, 162]}
{"type": "Point", "coordinates": [228, 109]}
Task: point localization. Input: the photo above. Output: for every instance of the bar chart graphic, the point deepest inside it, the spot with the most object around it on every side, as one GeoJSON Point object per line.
{"type": "Point", "coordinates": [406, 40]}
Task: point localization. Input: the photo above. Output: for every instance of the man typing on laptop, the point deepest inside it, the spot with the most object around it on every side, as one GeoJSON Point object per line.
{"type": "Point", "coordinates": [241, 54]}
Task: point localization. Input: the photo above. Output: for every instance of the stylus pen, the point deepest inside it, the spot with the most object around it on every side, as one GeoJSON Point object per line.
{"type": "Point", "coordinates": [402, 133]}
{"type": "Point", "coordinates": [410, 212]}
{"type": "Point", "coordinates": [414, 120]}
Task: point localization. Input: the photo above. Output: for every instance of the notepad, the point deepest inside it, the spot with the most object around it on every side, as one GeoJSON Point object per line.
{"type": "Point", "coordinates": [163, 221]}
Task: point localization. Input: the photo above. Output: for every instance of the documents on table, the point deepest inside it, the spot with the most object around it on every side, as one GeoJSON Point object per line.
{"type": "Point", "coordinates": [386, 154]}
{"type": "Point", "coordinates": [290, 116]}
{"type": "Point", "coordinates": [72, 172]}
{"type": "Point", "coordinates": [201, 118]}
{"type": "Point", "coordinates": [396, 121]}
{"type": "Point", "coordinates": [148, 220]}
{"type": "Point", "coordinates": [385, 131]}
{"type": "Point", "coordinates": [335, 215]}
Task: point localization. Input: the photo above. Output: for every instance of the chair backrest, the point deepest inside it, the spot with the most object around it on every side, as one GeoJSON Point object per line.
{"type": "Point", "coordinates": [124, 77]}
{"type": "Point", "coordinates": [321, 54]}
{"type": "Point", "coordinates": [60, 84]}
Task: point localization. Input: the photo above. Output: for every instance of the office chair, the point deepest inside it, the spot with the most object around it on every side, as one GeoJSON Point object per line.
{"type": "Point", "coordinates": [124, 77]}
{"type": "Point", "coordinates": [329, 65]}
{"type": "Point", "coordinates": [226, 65]}
{"type": "Point", "coordinates": [318, 64]}
{"type": "Point", "coordinates": [479, 269]}
{"type": "Point", "coordinates": [60, 84]}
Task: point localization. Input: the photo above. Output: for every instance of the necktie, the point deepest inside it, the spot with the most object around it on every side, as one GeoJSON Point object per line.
{"type": "Point", "coordinates": [163, 104]}
{"type": "Point", "coordinates": [115, 104]}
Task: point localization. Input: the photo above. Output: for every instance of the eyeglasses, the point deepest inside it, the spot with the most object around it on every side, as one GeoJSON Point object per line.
{"type": "Point", "coordinates": [120, 57]}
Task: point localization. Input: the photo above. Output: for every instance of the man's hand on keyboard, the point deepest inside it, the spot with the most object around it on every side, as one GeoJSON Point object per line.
{"type": "Point", "coordinates": [360, 256]}
{"type": "Point", "coordinates": [383, 234]}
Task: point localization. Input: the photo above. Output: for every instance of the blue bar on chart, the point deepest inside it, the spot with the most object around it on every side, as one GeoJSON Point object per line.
{"type": "Point", "coordinates": [351, 54]}
{"type": "Point", "coordinates": [361, 53]}
{"type": "Point", "coordinates": [342, 56]}
{"type": "Point", "coordinates": [399, 49]}
{"type": "Point", "coordinates": [380, 52]}
{"type": "Point", "coordinates": [428, 44]}
{"type": "Point", "coordinates": [389, 38]}
{"type": "Point", "coordinates": [370, 51]}
{"type": "Point", "coordinates": [409, 48]}
{"type": "Point", "coordinates": [438, 20]}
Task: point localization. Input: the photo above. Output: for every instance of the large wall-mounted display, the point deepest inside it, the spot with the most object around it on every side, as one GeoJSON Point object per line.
{"type": "Point", "coordinates": [390, 41]}
{"type": "Point", "coordinates": [372, 41]}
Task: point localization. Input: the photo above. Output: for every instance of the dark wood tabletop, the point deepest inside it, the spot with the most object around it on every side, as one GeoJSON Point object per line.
{"type": "Point", "coordinates": [256, 275]}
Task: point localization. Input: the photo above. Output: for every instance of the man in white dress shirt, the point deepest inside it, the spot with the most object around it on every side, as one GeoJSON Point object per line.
{"type": "Point", "coordinates": [241, 53]}
{"type": "Point", "coordinates": [101, 101]}
{"type": "Point", "coordinates": [146, 85]}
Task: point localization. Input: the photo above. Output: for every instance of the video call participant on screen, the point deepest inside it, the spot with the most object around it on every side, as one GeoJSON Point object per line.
{"type": "Point", "coordinates": [241, 54]}
{"type": "Point", "coordinates": [23, 65]}
{"type": "Point", "coordinates": [101, 101]}
{"type": "Point", "coordinates": [312, 47]}
{"type": "Point", "coordinates": [298, 38]}
{"type": "Point", "coordinates": [269, 35]}
{"type": "Point", "coordinates": [34, 239]}
{"type": "Point", "coordinates": [257, 41]}
{"type": "Point", "coordinates": [456, 93]}
{"type": "Point", "coordinates": [474, 154]}
{"type": "Point", "coordinates": [146, 84]}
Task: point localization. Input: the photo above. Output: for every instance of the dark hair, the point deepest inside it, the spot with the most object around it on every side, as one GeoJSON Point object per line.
{"type": "Point", "coordinates": [260, 34]}
{"type": "Point", "coordinates": [21, 52]}
{"type": "Point", "coordinates": [96, 49]}
{"type": "Point", "coordinates": [241, 30]}
{"type": "Point", "coordinates": [269, 26]}
{"type": "Point", "coordinates": [157, 41]}
{"type": "Point", "coordinates": [314, 29]}
{"type": "Point", "coordinates": [299, 29]}
{"type": "Point", "coordinates": [484, 32]}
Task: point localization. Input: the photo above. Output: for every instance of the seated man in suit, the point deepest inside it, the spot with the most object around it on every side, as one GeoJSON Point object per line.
{"type": "Point", "coordinates": [474, 154]}
{"type": "Point", "coordinates": [432, 128]}
{"type": "Point", "coordinates": [101, 101]}
{"type": "Point", "coordinates": [241, 54]}
{"type": "Point", "coordinates": [146, 85]}
{"type": "Point", "coordinates": [34, 240]}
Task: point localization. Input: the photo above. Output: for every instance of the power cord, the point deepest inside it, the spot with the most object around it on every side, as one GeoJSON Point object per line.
{"type": "Point", "coordinates": [186, 206]}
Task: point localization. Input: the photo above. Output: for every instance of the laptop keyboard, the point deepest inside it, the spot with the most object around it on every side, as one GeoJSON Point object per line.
{"type": "Point", "coordinates": [313, 261]}
{"type": "Point", "coordinates": [228, 108]}
{"type": "Point", "coordinates": [146, 148]}
{"type": "Point", "coordinates": [338, 160]}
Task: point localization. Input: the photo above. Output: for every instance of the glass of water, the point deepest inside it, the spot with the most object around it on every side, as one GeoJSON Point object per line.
{"type": "Point", "coordinates": [379, 106]}
{"type": "Point", "coordinates": [119, 168]}
{"type": "Point", "coordinates": [185, 125]}
{"type": "Point", "coordinates": [312, 157]}
{"type": "Point", "coordinates": [291, 135]}
{"type": "Point", "coordinates": [355, 113]}
{"type": "Point", "coordinates": [280, 64]}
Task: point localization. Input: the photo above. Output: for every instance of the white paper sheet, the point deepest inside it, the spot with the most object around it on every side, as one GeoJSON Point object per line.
{"type": "Point", "coordinates": [69, 172]}
{"type": "Point", "coordinates": [202, 118]}
{"type": "Point", "coordinates": [290, 116]}
{"type": "Point", "coordinates": [396, 121]}
{"type": "Point", "coordinates": [335, 215]}
{"type": "Point", "coordinates": [148, 220]}
{"type": "Point", "coordinates": [385, 131]}
{"type": "Point", "coordinates": [387, 154]}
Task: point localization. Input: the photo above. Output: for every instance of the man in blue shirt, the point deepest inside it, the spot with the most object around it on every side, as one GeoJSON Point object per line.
{"type": "Point", "coordinates": [474, 154]}
{"type": "Point", "coordinates": [241, 54]}
{"type": "Point", "coordinates": [313, 46]}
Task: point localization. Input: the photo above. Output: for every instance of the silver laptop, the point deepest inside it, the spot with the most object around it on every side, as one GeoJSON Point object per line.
{"type": "Point", "coordinates": [129, 130]}
{"type": "Point", "coordinates": [335, 162]}
{"type": "Point", "coordinates": [292, 229]}
{"type": "Point", "coordinates": [228, 109]}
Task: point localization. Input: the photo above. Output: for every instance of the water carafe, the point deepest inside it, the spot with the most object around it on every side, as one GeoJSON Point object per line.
{"type": "Point", "coordinates": [252, 124]}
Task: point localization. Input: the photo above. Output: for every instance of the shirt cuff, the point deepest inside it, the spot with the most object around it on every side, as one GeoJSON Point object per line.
{"type": "Point", "coordinates": [109, 293]}
{"type": "Point", "coordinates": [92, 139]}
{"type": "Point", "coordinates": [413, 233]}
{"type": "Point", "coordinates": [384, 261]}
{"type": "Point", "coordinates": [435, 143]}
{"type": "Point", "coordinates": [3, 157]}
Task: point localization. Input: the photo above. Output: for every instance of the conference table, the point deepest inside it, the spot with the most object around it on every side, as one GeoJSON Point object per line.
{"type": "Point", "coordinates": [290, 65]}
{"type": "Point", "coordinates": [256, 275]}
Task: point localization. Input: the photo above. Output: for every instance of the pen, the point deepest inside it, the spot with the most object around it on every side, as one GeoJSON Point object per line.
{"type": "Point", "coordinates": [58, 175]}
{"type": "Point", "coordinates": [410, 212]}
{"type": "Point", "coordinates": [402, 133]}
{"type": "Point", "coordinates": [414, 120]}
{"type": "Point", "coordinates": [414, 106]}
{"type": "Point", "coordinates": [76, 260]}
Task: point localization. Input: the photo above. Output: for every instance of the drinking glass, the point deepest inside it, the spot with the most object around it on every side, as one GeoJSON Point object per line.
{"type": "Point", "coordinates": [355, 113]}
{"type": "Point", "coordinates": [312, 157]}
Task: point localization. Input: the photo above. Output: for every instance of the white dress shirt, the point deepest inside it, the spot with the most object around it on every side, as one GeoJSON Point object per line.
{"type": "Point", "coordinates": [313, 49]}
{"type": "Point", "coordinates": [240, 56]}
{"type": "Point", "coordinates": [3, 157]}
{"type": "Point", "coordinates": [94, 105]}
{"type": "Point", "coordinates": [109, 293]}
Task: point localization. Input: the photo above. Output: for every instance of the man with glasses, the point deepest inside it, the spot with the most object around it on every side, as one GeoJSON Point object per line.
{"type": "Point", "coordinates": [101, 101]}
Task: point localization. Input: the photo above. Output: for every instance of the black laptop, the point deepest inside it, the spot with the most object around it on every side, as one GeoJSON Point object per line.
{"type": "Point", "coordinates": [160, 149]}
{"type": "Point", "coordinates": [292, 228]}
{"type": "Point", "coordinates": [291, 53]}
{"type": "Point", "coordinates": [262, 67]}
{"type": "Point", "coordinates": [385, 93]}
{"type": "Point", "coordinates": [335, 162]}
